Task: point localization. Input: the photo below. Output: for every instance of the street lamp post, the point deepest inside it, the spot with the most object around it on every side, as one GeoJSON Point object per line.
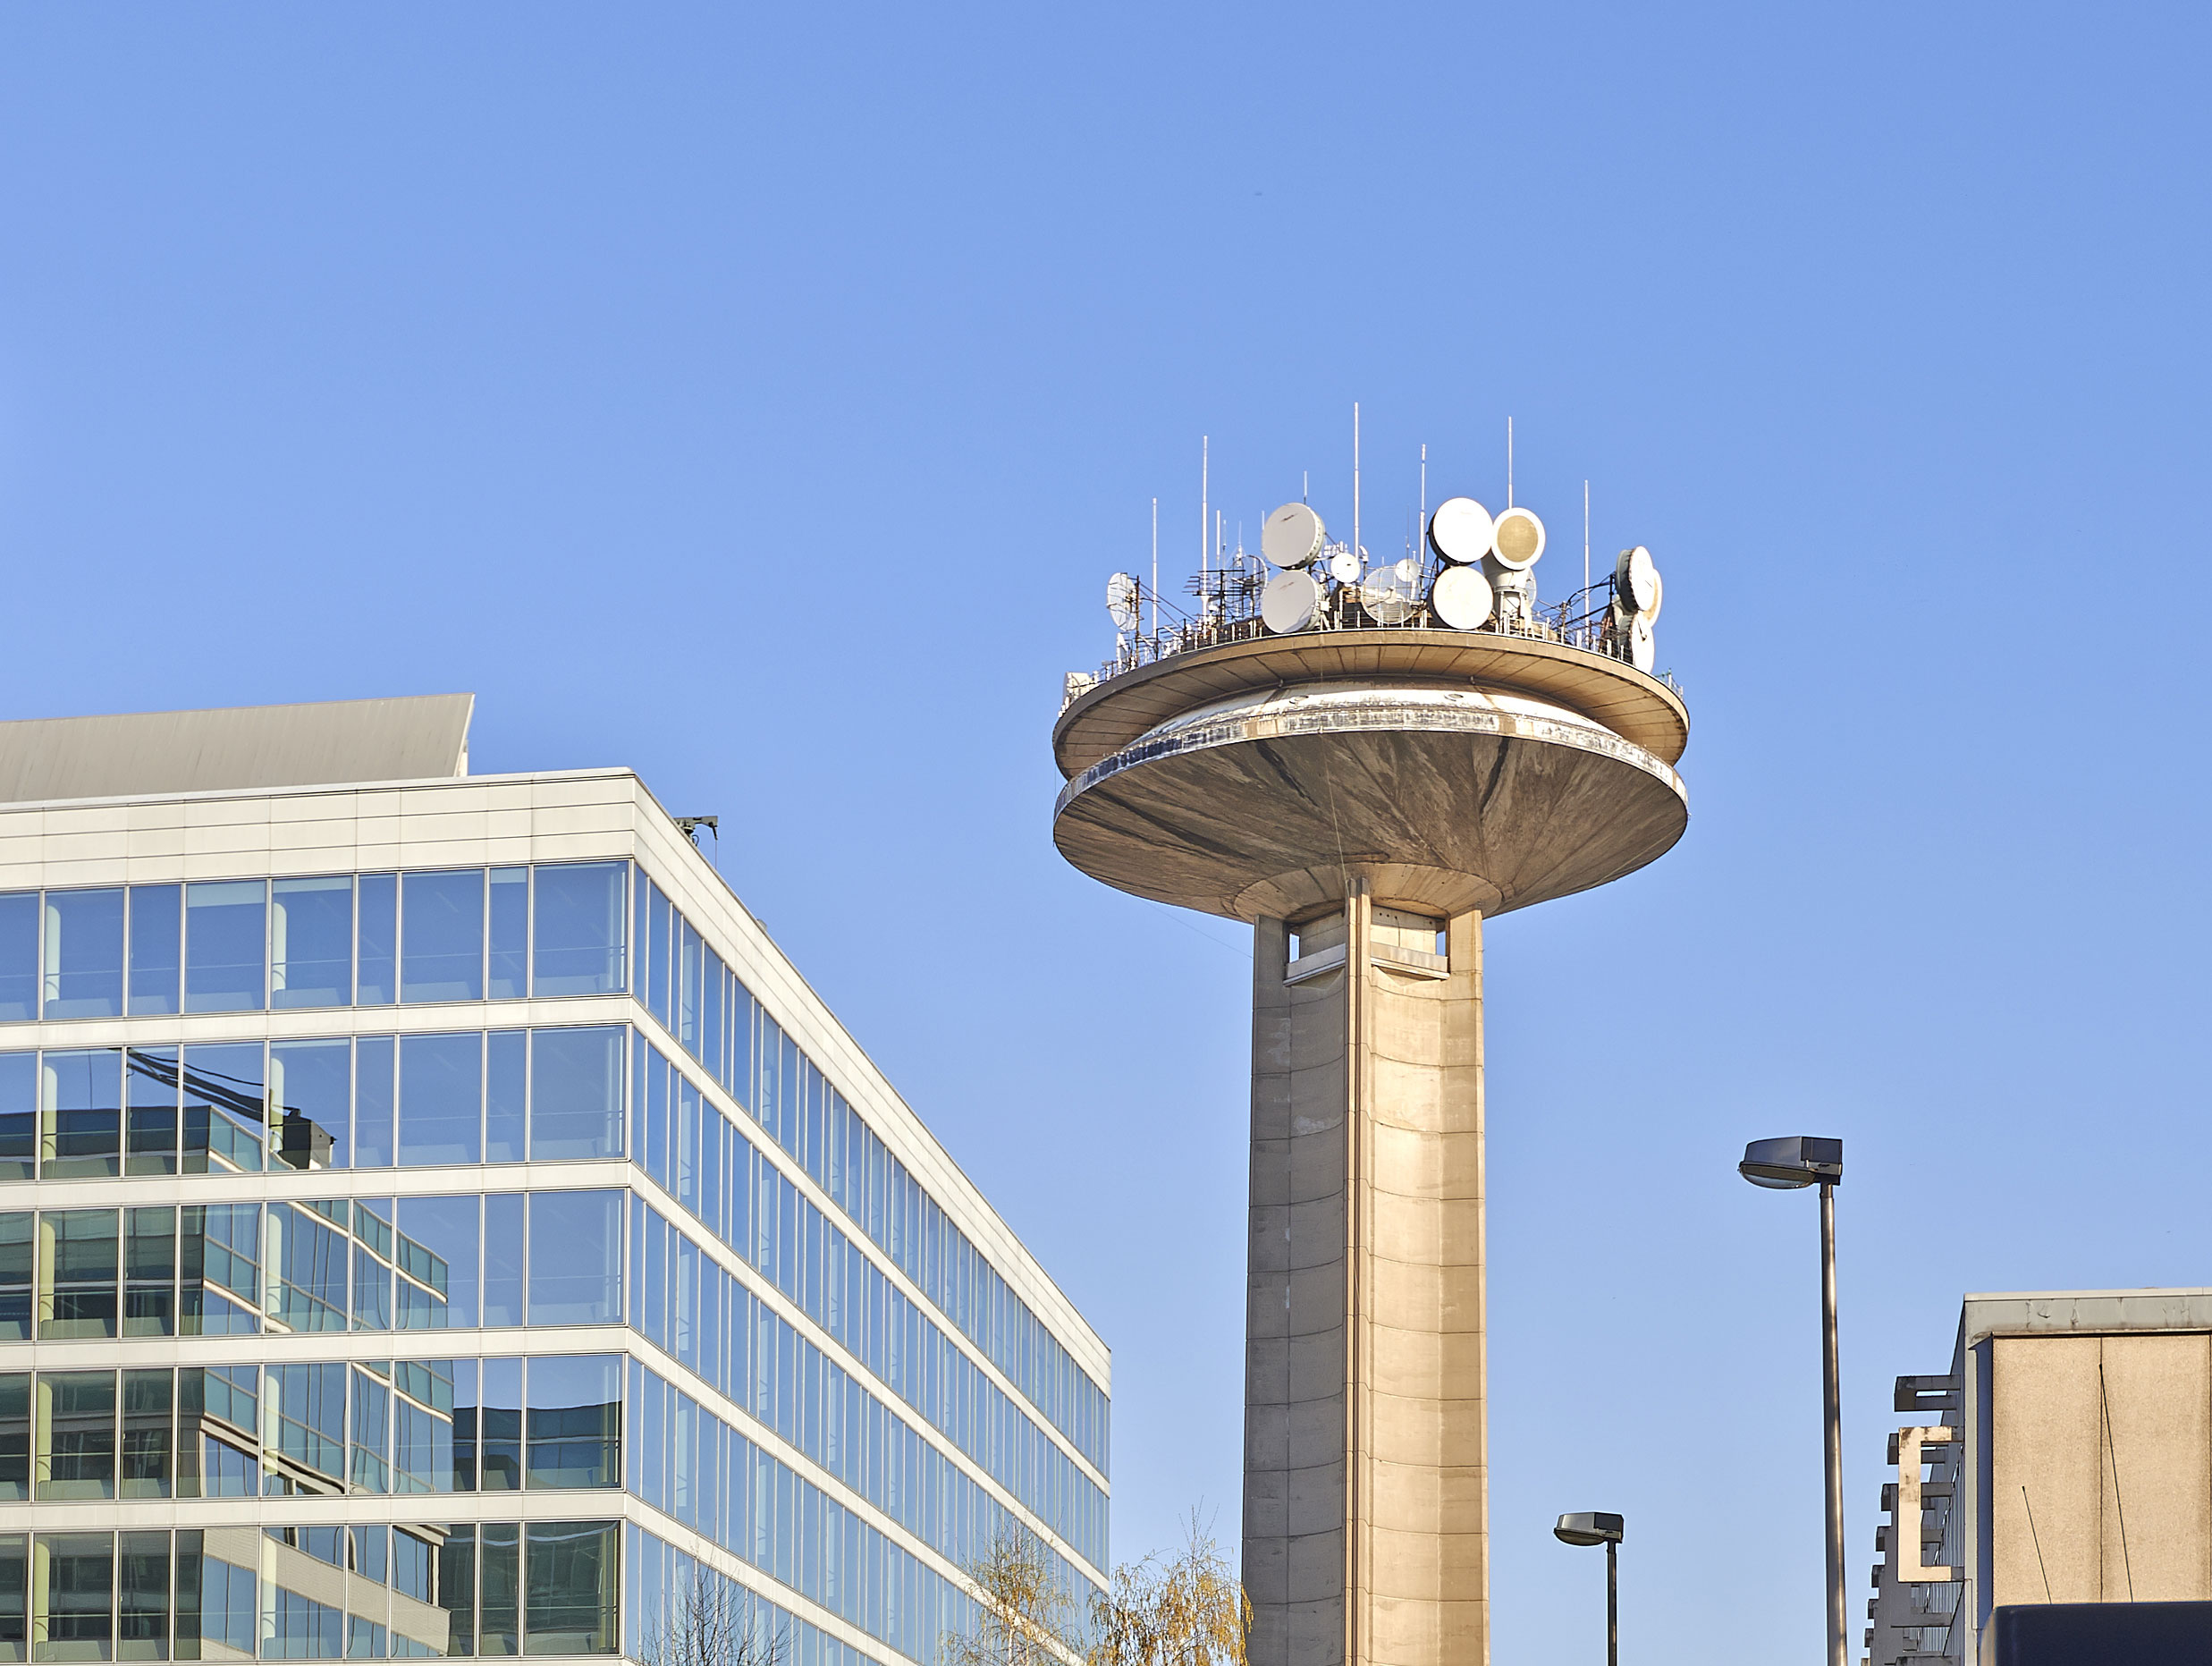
{"type": "Point", "coordinates": [1600, 1527]}
{"type": "Point", "coordinates": [1787, 1165]}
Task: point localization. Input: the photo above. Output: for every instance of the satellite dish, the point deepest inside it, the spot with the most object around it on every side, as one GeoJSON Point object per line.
{"type": "Point", "coordinates": [1344, 567]}
{"type": "Point", "coordinates": [1462, 597]}
{"type": "Point", "coordinates": [1388, 595]}
{"type": "Point", "coordinates": [1641, 649]}
{"type": "Point", "coordinates": [1289, 601]}
{"type": "Point", "coordinates": [1518, 540]}
{"type": "Point", "coordinates": [1659, 593]}
{"type": "Point", "coordinates": [1292, 536]}
{"type": "Point", "coordinates": [1460, 530]}
{"type": "Point", "coordinates": [1636, 579]}
{"type": "Point", "coordinates": [1121, 600]}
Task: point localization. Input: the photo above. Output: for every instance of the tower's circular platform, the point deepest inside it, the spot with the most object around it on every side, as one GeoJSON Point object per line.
{"type": "Point", "coordinates": [1453, 770]}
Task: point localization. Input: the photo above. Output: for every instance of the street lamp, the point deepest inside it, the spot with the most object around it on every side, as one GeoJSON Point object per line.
{"type": "Point", "coordinates": [1600, 1527]}
{"type": "Point", "coordinates": [1786, 1165]}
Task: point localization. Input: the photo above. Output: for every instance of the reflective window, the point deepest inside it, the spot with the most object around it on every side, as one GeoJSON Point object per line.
{"type": "Point", "coordinates": [82, 956]}
{"type": "Point", "coordinates": [81, 1273]}
{"type": "Point", "coordinates": [578, 939]}
{"type": "Point", "coordinates": [455, 1585]}
{"type": "Point", "coordinates": [576, 1102]}
{"type": "Point", "coordinates": [506, 1082]}
{"type": "Point", "coordinates": [436, 1252]}
{"type": "Point", "coordinates": [157, 948]}
{"type": "Point", "coordinates": [81, 1131]}
{"type": "Point", "coordinates": [502, 1259]}
{"type": "Point", "coordinates": [142, 1596]}
{"type": "Point", "coordinates": [440, 1099]}
{"type": "Point", "coordinates": [19, 955]}
{"type": "Point", "coordinates": [15, 1435]}
{"type": "Point", "coordinates": [500, 1432]}
{"type": "Point", "coordinates": [499, 1573]}
{"type": "Point", "coordinates": [74, 1579]}
{"type": "Point", "coordinates": [575, 1428]}
{"type": "Point", "coordinates": [309, 1268]}
{"type": "Point", "coordinates": [219, 1268]}
{"type": "Point", "coordinates": [311, 942]}
{"type": "Point", "coordinates": [575, 1258]}
{"type": "Point", "coordinates": [225, 1101]}
{"type": "Point", "coordinates": [150, 1101]}
{"type": "Point", "coordinates": [571, 1569]}
{"type": "Point", "coordinates": [371, 1437]}
{"type": "Point", "coordinates": [441, 936]}
{"type": "Point", "coordinates": [148, 1457]}
{"type": "Point", "coordinates": [17, 1236]}
{"type": "Point", "coordinates": [149, 1267]}
{"type": "Point", "coordinates": [373, 1251]}
{"type": "Point", "coordinates": [225, 945]}
{"type": "Point", "coordinates": [377, 978]}
{"type": "Point", "coordinates": [303, 1410]}
{"type": "Point", "coordinates": [375, 1080]}
{"type": "Point", "coordinates": [19, 1115]}
{"type": "Point", "coordinates": [75, 1429]}
{"type": "Point", "coordinates": [310, 1095]}
{"type": "Point", "coordinates": [654, 981]}
{"type": "Point", "coordinates": [510, 934]}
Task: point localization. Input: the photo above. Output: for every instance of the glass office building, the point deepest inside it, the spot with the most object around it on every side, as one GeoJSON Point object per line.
{"type": "Point", "coordinates": [436, 1221]}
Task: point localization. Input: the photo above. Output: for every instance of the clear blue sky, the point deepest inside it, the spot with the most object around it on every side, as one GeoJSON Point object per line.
{"type": "Point", "coordinates": [760, 398]}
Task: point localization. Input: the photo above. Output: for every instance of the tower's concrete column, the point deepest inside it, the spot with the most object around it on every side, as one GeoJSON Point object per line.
{"type": "Point", "coordinates": [1366, 1486]}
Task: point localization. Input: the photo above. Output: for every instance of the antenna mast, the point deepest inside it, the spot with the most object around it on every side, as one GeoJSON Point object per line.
{"type": "Point", "coordinates": [1586, 542]}
{"type": "Point", "coordinates": [1422, 531]}
{"type": "Point", "coordinates": [1508, 462]}
{"type": "Point", "coordinates": [1155, 567]}
{"type": "Point", "coordinates": [1202, 518]}
{"type": "Point", "coordinates": [1357, 553]}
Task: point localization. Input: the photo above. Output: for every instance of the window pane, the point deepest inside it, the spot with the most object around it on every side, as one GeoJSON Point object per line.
{"type": "Point", "coordinates": [654, 984]}
{"type": "Point", "coordinates": [372, 1263]}
{"type": "Point", "coordinates": [150, 1099]}
{"type": "Point", "coordinates": [576, 1094]}
{"type": "Point", "coordinates": [226, 943]}
{"type": "Point", "coordinates": [579, 940]}
{"type": "Point", "coordinates": [371, 1431]}
{"type": "Point", "coordinates": [16, 1291]}
{"type": "Point", "coordinates": [500, 1553]}
{"type": "Point", "coordinates": [75, 1456]}
{"type": "Point", "coordinates": [575, 1431]}
{"type": "Point", "coordinates": [378, 984]}
{"type": "Point", "coordinates": [424, 1408]}
{"type": "Point", "coordinates": [147, 1412]}
{"type": "Point", "coordinates": [308, 1270]}
{"type": "Point", "coordinates": [374, 1062]}
{"type": "Point", "coordinates": [14, 1630]}
{"type": "Point", "coordinates": [311, 1093]}
{"type": "Point", "coordinates": [83, 954]}
{"type": "Point", "coordinates": [501, 1428]}
{"type": "Point", "coordinates": [81, 1127]}
{"type": "Point", "coordinates": [157, 948]}
{"type": "Point", "coordinates": [311, 942]}
{"type": "Point", "coordinates": [510, 934]}
{"type": "Point", "coordinates": [142, 1597]}
{"type": "Point", "coordinates": [149, 1301]}
{"type": "Point", "coordinates": [571, 1584]}
{"type": "Point", "coordinates": [436, 1250]}
{"type": "Point", "coordinates": [506, 1068]}
{"type": "Point", "coordinates": [15, 1434]}
{"type": "Point", "coordinates": [219, 1270]}
{"type": "Point", "coordinates": [81, 1273]}
{"type": "Point", "coordinates": [19, 955]}
{"type": "Point", "coordinates": [441, 936]}
{"type": "Point", "coordinates": [19, 1115]}
{"type": "Point", "coordinates": [467, 1407]}
{"type": "Point", "coordinates": [305, 1408]}
{"type": "Point", "coordinates": [576, 1257]}
{"type": "Point", "coordinates": [502, 1259]}
{"type": "Point", "coordinates": [77, 1595]}
{"type": "Point", "coordinates": [456, 1586]}
{"type": "Point", "coordinates": [440, 1099]}
{"type": "Point", "coordinates": [224, 1108]}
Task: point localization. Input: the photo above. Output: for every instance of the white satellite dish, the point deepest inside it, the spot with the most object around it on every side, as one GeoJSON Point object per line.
{"type": "Point", "coordinates": [1518, 540]}
{"type": "Point", "coordinates": [1292, 536]}
{"type": "Point", "coordinates": [1462, 597]}
{"type": "Point", "coordinates": [1289, 602]}
{"type": "Point", "coordinates": [1344, 567]}
{"type": "Point", "coordinates": [1658, 594]}
{"type": "Point", "coordinates": [1636, 579]}
{"type": "Point", "coordinates": [1121, 600]}
{"type": "Point", "coordinates": [1641, 649]}
{"type": "Point", "coordinates": [1387, 592]}
{"type": "Point", "coordinates": [1460, 530]}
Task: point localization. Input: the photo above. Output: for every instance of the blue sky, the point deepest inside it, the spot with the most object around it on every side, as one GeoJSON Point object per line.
{"type": "Point", "coordinates": [761, 398]}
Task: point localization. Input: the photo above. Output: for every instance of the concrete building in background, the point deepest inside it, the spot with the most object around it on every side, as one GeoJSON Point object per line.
{"type": "Point", "coordinates": [436, 1221]}
{"type": "Point", "coordinates": [2065, 1457]}
{"type": "Point", "coordinates": [1366, 765]}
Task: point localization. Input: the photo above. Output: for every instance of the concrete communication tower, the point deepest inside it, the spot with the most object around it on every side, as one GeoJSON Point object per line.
{"type": "Point", "coordinates": [1365, 760]}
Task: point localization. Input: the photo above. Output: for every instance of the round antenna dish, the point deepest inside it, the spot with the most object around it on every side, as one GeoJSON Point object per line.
{"type": "Point", "coordinates": [1636, 579]}
{"type": "Point", "coordinates": [1292, 536]}
{"type": "Point", "coordinates": [1658, 594]}
{"type": "Point", "coordinates": [1289, 602]}
{"type": "Point", "coordinates": [1344, 567]}
{"type": "Point", "coordinates": [1462, 597]}
{"type": "Point", "coordinates": [1641, 649]}
{"type": "Point", "coordinates": [1460, 530]}
{"type": "Point", "coordinates": [1387, 592]}
{"type": "Point", "coordinates": [1518, 540]}
{"type": "Point", "coordinates": [1121, 600]}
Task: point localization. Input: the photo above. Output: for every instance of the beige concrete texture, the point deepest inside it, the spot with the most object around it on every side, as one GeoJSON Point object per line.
{"type": "Point", "coordinates": [2100, 1468]}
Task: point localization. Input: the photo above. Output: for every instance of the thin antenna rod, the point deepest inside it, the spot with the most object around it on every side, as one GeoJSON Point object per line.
{"type": "Point", "coordinates": [1585, 536]}
{"type": "Point", "coordinates": [1422, 531]}
{"type": "Point", "coordinates": [1356, 552]}
{"type": "Point", "coordinates": [1508, 462]}
{"type": "Point", "coordinates": [1155, 567]}
{"type": "Point", "coordinates": [1305, 489]}
{"type": "Point", "coordinates": [1204, 443]}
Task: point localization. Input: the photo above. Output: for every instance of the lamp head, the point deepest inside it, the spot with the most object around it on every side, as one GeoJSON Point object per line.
{"type": "Point", "coordinates": [1785, 1164]}
{"type": "Point", "coordinates": [1590, 1526]}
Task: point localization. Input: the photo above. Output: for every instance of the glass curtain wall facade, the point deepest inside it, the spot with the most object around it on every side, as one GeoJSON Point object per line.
{"type": "Point", "coordinates": [695, 1322]}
